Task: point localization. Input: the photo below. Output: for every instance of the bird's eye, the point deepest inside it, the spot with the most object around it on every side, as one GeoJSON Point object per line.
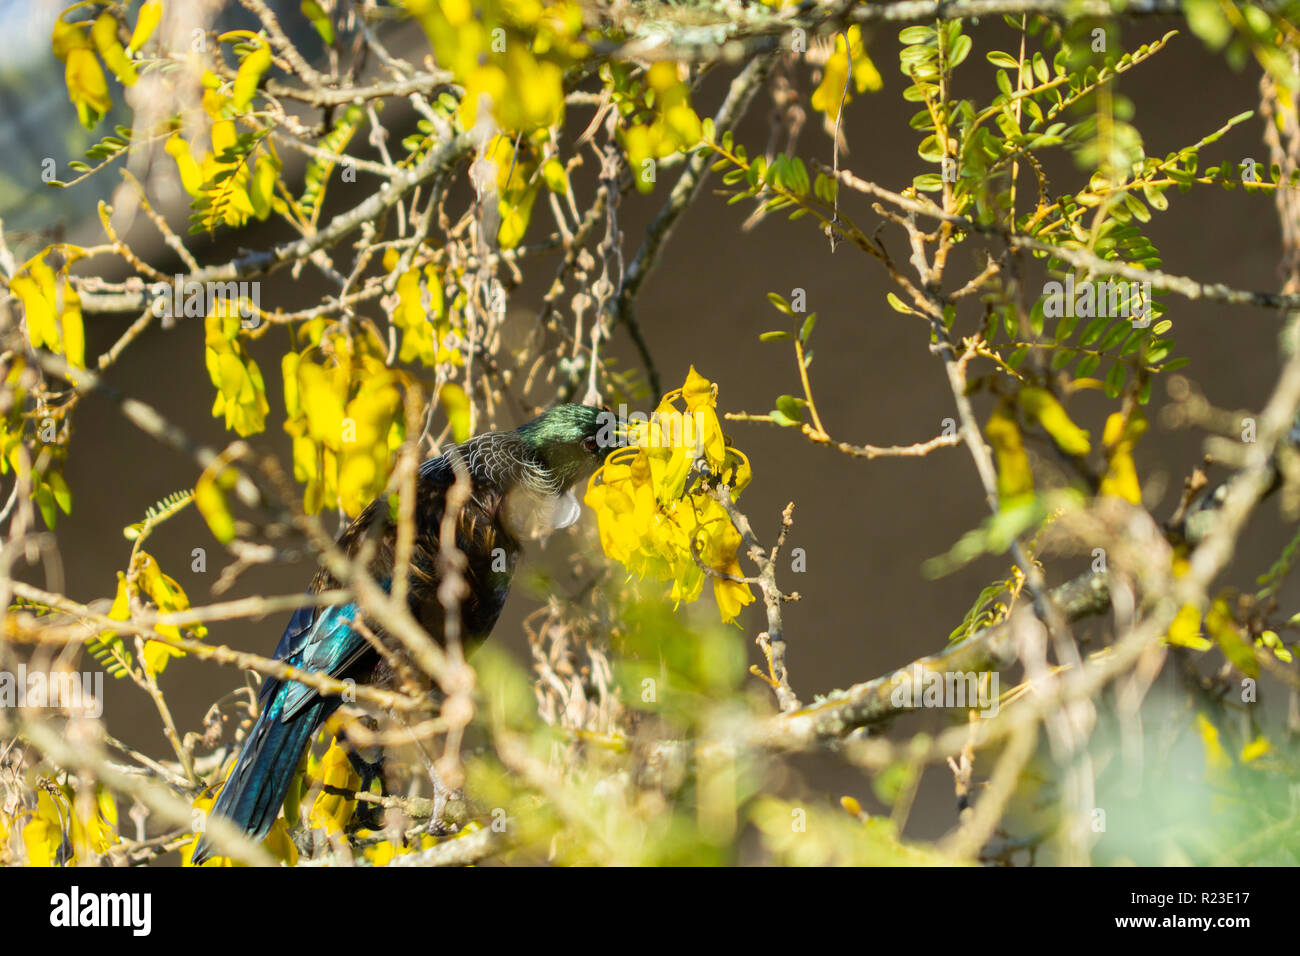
{"type": "Point", "coordinates": [591, 443]}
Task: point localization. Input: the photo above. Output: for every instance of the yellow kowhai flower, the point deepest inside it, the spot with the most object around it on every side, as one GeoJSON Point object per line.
{"type": "Point", "coordinates": [1216, 758]}
{"type": "Point", "coordinates": [87, 85]}
{"type": "Point", "coordinates": [147, 582]}
{"type": "Point", "coordinates": [676, 126]}
{"type": "Point", "coordinates": [103, 33]}
{"type": "Point", "coordinates": [422, 317]}
{"type": "Point", "coordinates": [827, 97]}
{"type": "Point", "coordinates": [50, 303]}
{"type": "Point", "coordinates": [332, 811]}
{"type": "Point", "coordinates": [1120, 437]}
{"type": "Point", "coordinates": [1015, 477]}
{"type": "Point", "coordinates": [509, 55]}
{"type": "Point", "coordinates": [654, 513]}
{"type": "Point", "coordinates": [1255, 749]}
{"type": "Point", "coordinates": [56, 836]}
{"type": "Point", "coordinates": [241, 391]}
{"type": "Point", "coordinates": [344, 414]}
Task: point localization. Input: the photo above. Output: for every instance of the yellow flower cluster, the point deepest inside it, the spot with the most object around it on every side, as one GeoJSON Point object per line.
{"type": "Point", "coordinates": [655, 511]}
{"type": "Point", "coordinates": [830, 93]}
{"type": "Point", "coordinates": [76, 44]}
{"type": "Point", "coordinates": [332, 811]}
{"type": "Point", "coordinates": [344, 412]}
{"type": "Point", "coordinates": [241, 391]}
{"type": "Point", "coordinates": [672, 125]}
{"type": "Point", "coordinates": [49, 489]}
{"type": "Point", "coordinates": [422, 317]}
{"type": "Point", "coordinates": [385, 851]}
{"type": "Point", "coordinates": [57, 836]}
{"type": "Point", "coordinates": [1120, 437]}
{"type": "Point", "coordinates": [511, 52]}
{"type": "Point", "coordinates": [52, 316]}
{"type": "Point", "coordinates": [146, 582]}
{"type": "Point", "coordinates": [51, 304]}
{"type": "Point", "coordinates": [517, 183]}
{"type": "Point", "coordinates": [236, 179]}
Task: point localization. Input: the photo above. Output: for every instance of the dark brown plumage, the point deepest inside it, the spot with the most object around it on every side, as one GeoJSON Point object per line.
{"type": "Point", "coordinates": [520, 485]}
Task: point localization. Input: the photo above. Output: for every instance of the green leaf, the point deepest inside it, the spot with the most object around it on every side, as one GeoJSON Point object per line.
{"type": "Point", "coordinates": [897, 305]}
{"type": "Point", "coordinates": [788, 406]}
{"type": "Point", "coordinates": [930, 150]}
{"type": "Point", "coordinates": [1040, 68]}
{"type": "Point", "coordinates": [1093, 329]}
{"type": "Point", "coordinates": [313, 12]}
{"type": "Point", "coordinates": [1206, 20]}
{"type": "Point", "coordinates": [1155, 196]}
{"type": "Point", "coordinates": [1115, 380]}
{"type": "Point", "coordinates": [774, 336]}
{"type": "Point", "coordinates": [960, 50]}
{"type": "Point", "coordinates": [1112, 336]}
{"type": "Point", "coordinates": [779, 301]}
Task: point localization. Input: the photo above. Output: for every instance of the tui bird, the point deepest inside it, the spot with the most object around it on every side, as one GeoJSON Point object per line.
{"type": "Point", "coordinates": [521, 484]}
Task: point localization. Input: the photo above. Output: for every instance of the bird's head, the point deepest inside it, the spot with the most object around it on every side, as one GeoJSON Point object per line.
{"type": "Point", "coordinates": [572, 440]}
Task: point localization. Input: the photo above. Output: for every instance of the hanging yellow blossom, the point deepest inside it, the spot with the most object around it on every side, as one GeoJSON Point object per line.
{"type": "Point", "coordinates": [331, 809]}
{"type": "Point", "coordinates": [509, 55]}
{"type": "Point", "coordinates": [654, 512]}
{"type": "Point", "coordinates": [1015, 477]}
{"type": "Point", "coordinates": [146, 584]}
{"type": "Point", "coordinates": [1216, 758]}
{"type": "Point", "coordinates": [1119, 437]}
{"type": "Point", "coordinates": [345, 416]}
{"type": "Point", "coordinates": [146, 22]}
{"type": "Point", "coordinates": [241, 392]}
{"type": "Point", "coordinates": [827, 97]}
{"type": "Point", "coordinates": [103, 33]}
{"type": "Point", "coordinates": [57, 836]}
{"type": "Point", "coordinates": [251, 70]}
{"type": "Point", "coordinates": [1041, 406]}
{"type": "Point", "coordinates": [422, 317]}
{"type": "Point", "coordinates": [673, 125]}
{"type": "Point", "coordinates": [87, 86]}
{"type": "Point", "coordinates": [50, 303]}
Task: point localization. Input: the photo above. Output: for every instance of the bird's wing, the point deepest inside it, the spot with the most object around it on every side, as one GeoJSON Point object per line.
{"type": "Point", "coordinates": [321, 640]}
